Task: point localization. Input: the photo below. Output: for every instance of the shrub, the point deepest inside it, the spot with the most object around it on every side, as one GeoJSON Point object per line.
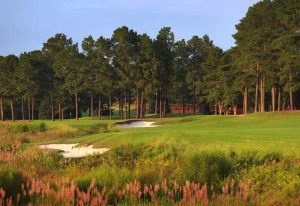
{"type": "Point", "coordinates": [25, 140]}
{"type": "Point", "coordinates": [207, 167]}
{"type": "Point", "coordinates": [42, 127]}
{"type": "Point", "coordinates": [273, 157]}
{"type": "Point", "coordinates": [11, 181]}
{"type": "Point", "coordinates": [248, 159]}
{"type": "Point", "coordinates": [19, 128]}
{"type": "Point", "coordinates": [273, 182]}
{"type": "Point", "coordinates": [110, 177]}
{"type": "Point", "coordinates": [33, 128]}
{"type": "Point", "coordinates": [127, 155]}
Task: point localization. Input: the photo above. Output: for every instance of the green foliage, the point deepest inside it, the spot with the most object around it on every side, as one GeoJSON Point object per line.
{"type": "Point", "coordinates": [11, 180]}
{"type": "Point", "coordinates": [204, 167]}
{"type": "Point", "coordinates": [25, 127]}
{"type": "Point", "coordinates": [127, 155]}
{"type": "Point", "coordinates": [110, 177]}
{"type": "Point", "coordinates": [274, 182]}
{"type": "Point", "coordinates": [152, 155]}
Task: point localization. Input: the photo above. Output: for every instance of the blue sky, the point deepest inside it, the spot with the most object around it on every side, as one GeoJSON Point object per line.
{"type": "Point", "coordinates": [26, 24]}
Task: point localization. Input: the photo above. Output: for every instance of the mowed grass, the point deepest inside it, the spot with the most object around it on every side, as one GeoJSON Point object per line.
{"type": "Point", "coordinates": [268, 132]}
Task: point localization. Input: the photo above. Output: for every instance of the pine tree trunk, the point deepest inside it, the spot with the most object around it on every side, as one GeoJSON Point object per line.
{"type": "Point", "coordinates": [125, 104]}
{"type": "Point", "coordinates": [291, 94]}
{"type": "Point", "coordinates": [156, 102]}
{"type": "Point", "coordinates": [256, 96]}
{"type": "Point", "coordinates": [291, 99]}
{"type": "Point", "coordinates": [52, 109]}
{"type": "Point", "coordinates": [23, 114]}
{"type": "Point", "coordinates": [76, 105]}
{"type": "Point", "coordinates": [279, 100]}
{"type": "Point", "coordinates": [28, 105]}
{"type": "Point", "coordinates": [119, 107]}
{"type": "Point", "coordinates": [194, 102]}
{"type": "Point", "coordinates": [273, 99]}
{"type": "Point", "coordinates": [142, 106]}
{"type": "Point", "coordinates": [165, 103]}
{"type": "Point", "coordinates": [12, 110]}
{"type": "Point", "coordinates": [1, 110]}
{"type": "Point", "coordinates": [220, 108]}
{"type": "Point", "coordinates": [262, 94]}
{"type": "Point", "coordinates": [129, 102]}
{"type": "Point", "coordinates": [99, 108]}
{"type": "Point", "coordinates": [137, 104]}
{"type": "Point", "coordinates": [62, 113]}
{"type": "Point", "coordinates": [92, 106]}
{"type": "Point", "coordinates": [160, 105]}
{"type": "Point", "coordinates": [194, 88]}
{"type": "Point", "coordinates": [32, 109]}
{"type": "Point", "coordinates": [122, 106]}
{"type": "Point", "coordinates": [119, 103]}
{"type": "Point", "coordinates": [215, 109]}
{"type": "Point", "coordinates": [110, 111]}
{"type": "Point", "coordinates": [235, 109]}
{"type": "Point", "coordinates": [245, 107]}
{"type": "Point", "coordinates": [246, 104]}
{"type": "Point", "coordinates": [59, 110]}
{"type": "Point", "coordinates": [256, 88]}
{"type": "Point", "coordinates": [183, 105]}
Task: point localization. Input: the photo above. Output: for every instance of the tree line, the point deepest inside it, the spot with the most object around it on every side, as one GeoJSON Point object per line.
{"type": "Point", "coordinates": [260, 73]}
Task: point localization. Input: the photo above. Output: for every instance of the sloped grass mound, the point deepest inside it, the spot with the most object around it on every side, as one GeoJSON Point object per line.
{"type": "Point", "coordinates": [150, 164]}
{"type": "Point", "coordinates": [25, 127]}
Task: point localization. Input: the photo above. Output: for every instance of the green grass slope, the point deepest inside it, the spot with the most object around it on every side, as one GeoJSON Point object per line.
{"type": "Point", "coordinates": [268, 132]}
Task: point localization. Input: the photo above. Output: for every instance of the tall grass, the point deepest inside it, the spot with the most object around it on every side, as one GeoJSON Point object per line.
{"type": "Point", "coordinates": [66, 192]}
{"type": "Point", "coordinates": [142, 172]}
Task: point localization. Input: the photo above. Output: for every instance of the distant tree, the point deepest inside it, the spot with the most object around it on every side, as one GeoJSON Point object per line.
{"type": "Point", "coordinates": [233, 87]}
{"type": "Point", "coordinates": [181, 60]}
{"type": "Point", "coordinates": [196, 58]}
{"type": "Point", "coordinates": [71, 64]}
{"type": "Point", "coordinates": [2, 75]}
{"type": "Point", "coordinates": [52, 50]}
{"type": "Point", "coordinates": [213, 88]}
{"type": "Point", "coordinates": [91, 69]}
{"type": "Point", "coordinates": [287, 47]}
{"type": "Point", "coordinates": [262, 70]}
{"type": "Point", "coordinates": [255, 35]}
{"type": "Point", "coordinates": [245, 75]}
{"type": "Point", "coordinates": [32, 76]}
{"type": "Point", "coordinates": [124, 43]}
{"type": "Point", "coordinates": [9, 86]}
{"type": "Point", "coordinates": [164, 55]}
{"type": "Point", "coordinates": [142, 72]}
{"type": "Point", "coordinates": [106, 77]}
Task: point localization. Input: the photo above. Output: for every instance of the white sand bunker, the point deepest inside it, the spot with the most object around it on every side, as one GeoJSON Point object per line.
{"type": "Point", "coordinates": [71, 151]}
{"type": "Point", "coordinates": [136, 124]}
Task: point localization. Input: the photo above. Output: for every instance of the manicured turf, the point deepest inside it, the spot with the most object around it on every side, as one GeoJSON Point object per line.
{"type": "Point", "coordinates": [267, 132]}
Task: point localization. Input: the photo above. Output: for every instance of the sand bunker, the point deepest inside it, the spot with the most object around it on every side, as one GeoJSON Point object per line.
{"type": "Point", "coordinates": [71, 151]}
{"type": "Point", "coordinates": [136, 124]}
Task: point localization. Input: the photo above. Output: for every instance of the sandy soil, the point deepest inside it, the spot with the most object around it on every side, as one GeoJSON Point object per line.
{"type": "Point", "coordinates": [71, 151]}
{"type": "Point", "coordinates": [136, 124]}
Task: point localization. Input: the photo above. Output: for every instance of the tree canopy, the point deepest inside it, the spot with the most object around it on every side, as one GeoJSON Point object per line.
{"type": "Point", "coordinates": [260, 73]}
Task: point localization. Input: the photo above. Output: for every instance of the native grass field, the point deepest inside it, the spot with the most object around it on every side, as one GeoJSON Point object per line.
{"type": "Point", "coordinates": [184, 160]}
